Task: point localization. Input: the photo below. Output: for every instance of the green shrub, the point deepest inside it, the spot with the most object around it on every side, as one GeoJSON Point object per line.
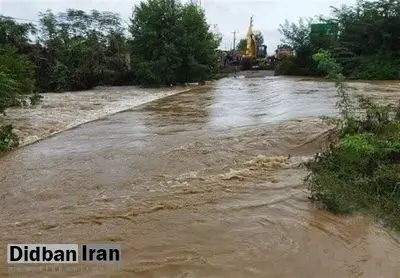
{"type": "Point", "coordinates": [286, 67]}
{"type": "Point", "coordinates": [377, 68]}
{"type": "Point", "coordinates": [8, 140]}
{"type": "Point", "coordinates": [361, 172]}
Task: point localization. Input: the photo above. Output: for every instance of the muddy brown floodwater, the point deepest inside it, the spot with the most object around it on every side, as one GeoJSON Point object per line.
{"type": "Point", "coordinates": [198, 184]}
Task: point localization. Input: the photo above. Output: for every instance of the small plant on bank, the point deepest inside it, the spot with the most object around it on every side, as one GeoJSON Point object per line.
{"type": "Point", "coordinates": [361, 173]}
{"type": "Point", "coordinates": [8, 139]}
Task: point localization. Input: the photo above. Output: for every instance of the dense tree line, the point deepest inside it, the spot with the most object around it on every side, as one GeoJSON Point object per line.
{"type": "Point", "coordinates": [80, 50]}
{"type": "Point", "coordinates": [165, 43]}
{"type": "Point", "coordinates": [366, 44]}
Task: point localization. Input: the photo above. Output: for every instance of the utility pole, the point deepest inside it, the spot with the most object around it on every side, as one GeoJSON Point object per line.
{"type": "Point", "coordinates": [234, 40]}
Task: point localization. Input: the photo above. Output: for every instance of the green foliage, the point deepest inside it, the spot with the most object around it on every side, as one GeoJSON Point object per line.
{"type": "Point", "coordinates": [8, 140]}
{"type": "Point", "coordinates": [16, 78]}
{"type": "Point", "coordinates": [76, 50]}
{"type": "Point", "coordinates": [20, 68]}
{"type": "Point", "coordinates": [258, 37]}
{"type": "Point", "coordinates": [172, 43]}
{"type": "Point", "coordinates": [297, 37]}
{"type": "Point", "coordinates": [362, 171]}
{"type": "Point", "coordinates": [295, 66]}
{"type": "Point", "coordinates": [328, 64]}
{"type": "Point", "coordinates": [378, 67]}
{"type": "Point", "coordinates": [80, 47]}
{"type": "Point", "coordinates": [8, 90]}
{"type": "Point", "coordinates": [15, 34]}
{"type": "Point", "coordinates": [366, 46]}
{"type": "Point", "coordinates": [287, 67]}
{"type": "Point", "coordinates": [242, 45]}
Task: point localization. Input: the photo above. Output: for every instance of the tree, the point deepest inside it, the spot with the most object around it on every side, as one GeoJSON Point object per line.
{"type": "Point", "coordinates": [259, 38]}
{"type": "Point", "coordinates": [242, 45]}
{"type": "Point", "coordinates": [198, 51]}
{"type": "Point", "coordinates": [16, 70]}
{"type": "Point", "coordinates": [296, 35]}
{"type": "Point", "coordinates": [15, 34]}
{"type": "Point", "coordinates": [171, 42]}
{"type": "Point", "coordinates": [16, 78]}
{"type": "Point", "coordinates": [83, 49]}
{"type": "Point", "coordinates": [366, 44]}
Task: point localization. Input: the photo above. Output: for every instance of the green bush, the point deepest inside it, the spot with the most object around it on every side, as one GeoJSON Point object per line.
{"type": "Point", "coordinates": [297, 66]}
{"type": "Point", "coordinates": [361, 172]}
{"type": "Point", "coordinates": [366, 44]}
{"type": "Point", "coordinates": [8, 140]}
{"type": "Point", "coordinates": [378, 68]}
{"type": "Point", "coordinates": [287, 67]}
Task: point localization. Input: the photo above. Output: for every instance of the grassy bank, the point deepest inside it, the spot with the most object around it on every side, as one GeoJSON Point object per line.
{"type": "Point", "coordinates": [361, 170]}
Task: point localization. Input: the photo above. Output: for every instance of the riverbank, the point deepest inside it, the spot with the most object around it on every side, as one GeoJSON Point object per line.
{"type": "Point", "coordinates": [62, 111]}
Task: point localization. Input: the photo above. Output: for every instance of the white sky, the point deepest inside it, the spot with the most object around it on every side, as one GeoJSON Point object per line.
{"type": "Point", "coordinates": [229, 15]}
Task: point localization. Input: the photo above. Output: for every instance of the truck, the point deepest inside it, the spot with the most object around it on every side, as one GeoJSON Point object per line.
{"type": "Point", "coordinates": [283, 51]}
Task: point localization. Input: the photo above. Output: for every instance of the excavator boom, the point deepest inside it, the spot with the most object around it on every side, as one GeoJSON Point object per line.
{"type": "Point", "coordinates": [255, 54]}
{"type": "Point", "coordinates": [251, 49]}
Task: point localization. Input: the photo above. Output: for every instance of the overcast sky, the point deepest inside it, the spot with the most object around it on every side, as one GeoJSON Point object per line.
{"type": "Point", "coordinates": [229, 15]}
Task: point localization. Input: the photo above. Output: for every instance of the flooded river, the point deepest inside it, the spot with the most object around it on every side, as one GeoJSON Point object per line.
{"type": "Point", "coordinates": [205, 183]}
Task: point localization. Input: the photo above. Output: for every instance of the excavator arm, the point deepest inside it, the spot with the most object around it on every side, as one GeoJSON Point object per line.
{"type": "Point", "coordinates": [251, 49]}
{"type": "Point", "coordinates": [255, 55]}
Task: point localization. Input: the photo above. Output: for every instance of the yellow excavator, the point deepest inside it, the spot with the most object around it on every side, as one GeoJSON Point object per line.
{"type": "Point", "coordinates": [255, 55]}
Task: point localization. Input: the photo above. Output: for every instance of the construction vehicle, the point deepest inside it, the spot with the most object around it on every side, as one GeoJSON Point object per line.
{"type": "Point", "coordinates": [283, 52]}
{"type": "Point", "coordinates": [255, 56]}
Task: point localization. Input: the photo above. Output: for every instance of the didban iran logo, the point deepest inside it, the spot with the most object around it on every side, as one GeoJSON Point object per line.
{"type": "Point", "coordinates": [63, 253]}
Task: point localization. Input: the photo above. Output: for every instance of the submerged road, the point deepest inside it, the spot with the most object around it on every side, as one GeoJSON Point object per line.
{"type": "Point", "coordinates": [194, 185]}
